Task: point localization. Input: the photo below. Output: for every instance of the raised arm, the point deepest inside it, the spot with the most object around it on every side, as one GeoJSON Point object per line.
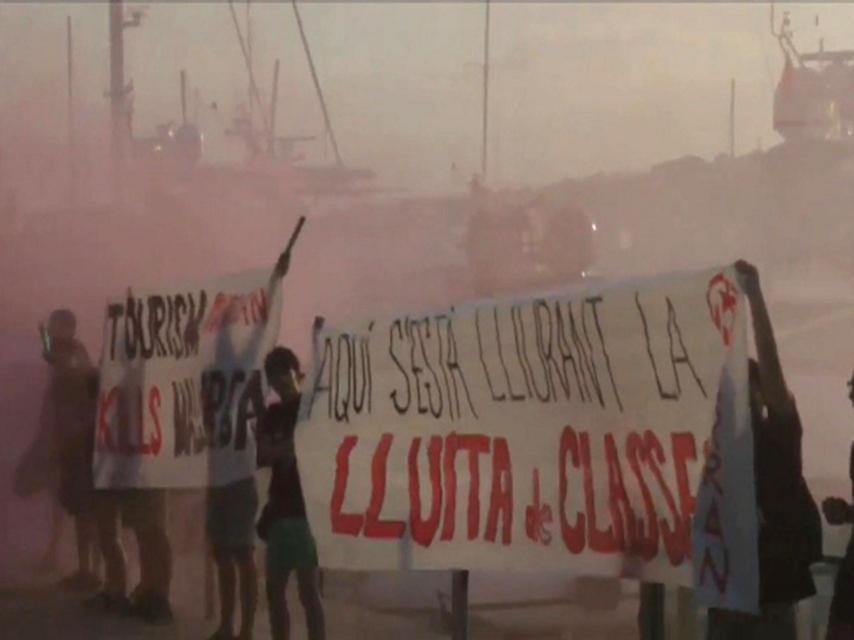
{"type": "Point", "coordinates": [773, 383]}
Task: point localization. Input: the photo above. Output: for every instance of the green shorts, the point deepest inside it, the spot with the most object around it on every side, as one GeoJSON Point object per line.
{"type": "Point", "coordinates": [290, 546]}
{"type": "Point", "coordinates": [230, 521]}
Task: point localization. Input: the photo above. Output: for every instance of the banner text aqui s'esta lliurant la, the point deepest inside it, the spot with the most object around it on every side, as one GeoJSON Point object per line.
{"type": "Point", "coordinates": [601, 433]}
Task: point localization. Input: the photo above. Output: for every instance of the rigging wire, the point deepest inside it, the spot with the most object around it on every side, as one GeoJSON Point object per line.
{"type": "Point", "coordinates": [314, 78]}
{"type": "Point", "coordinates": [253, 87]}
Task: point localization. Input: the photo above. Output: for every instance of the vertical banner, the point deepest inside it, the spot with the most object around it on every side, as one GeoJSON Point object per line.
{"type": "Point", "coordinates": [182, 383]}
{"type": "Point", "coordinates": [604, 432]}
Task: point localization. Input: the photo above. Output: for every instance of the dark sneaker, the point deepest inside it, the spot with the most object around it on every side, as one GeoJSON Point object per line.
{"type": "Point", "coordinates": [107, 603]}
{"type": "Point", "coordinates": [138, 603]}
{"type": "Point", "coordinates": [222, 634]}
{"type": "Point", "coordinates": [99, 602]}
{"type": "Point", "coordinates": [138, 593]}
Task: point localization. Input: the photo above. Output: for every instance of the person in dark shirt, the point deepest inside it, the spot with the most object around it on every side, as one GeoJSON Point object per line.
{"type": "Point", "coordinates": [789, 522]}
{"type": "Point", "coordinates": [838, 512]}
{"type": "Point", "coordinates": [69, 409]}
{"type": "Point", "coordinates": [283, 525]}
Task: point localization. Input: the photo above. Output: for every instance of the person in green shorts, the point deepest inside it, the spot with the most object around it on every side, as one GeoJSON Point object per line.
{"type": "Point", "coordinates": [283, 524]}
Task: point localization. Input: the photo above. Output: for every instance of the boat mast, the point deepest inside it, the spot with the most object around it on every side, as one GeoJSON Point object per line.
{"type": "Point", "coordinates": [72, 165]}
{"type": "Point", "coordinates": [485, 117]}
{"type": "Point", "coordinates": [317, 88]}
{"type": "Point", "coordinates": [253, 86]}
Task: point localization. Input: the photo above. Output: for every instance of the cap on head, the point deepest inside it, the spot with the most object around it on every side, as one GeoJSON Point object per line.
{"type": "Point", "coordinates": [281, 360]}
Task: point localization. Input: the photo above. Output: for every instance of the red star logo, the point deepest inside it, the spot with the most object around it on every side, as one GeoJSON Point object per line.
{"type": "Point", "coordinates": [722, 299]}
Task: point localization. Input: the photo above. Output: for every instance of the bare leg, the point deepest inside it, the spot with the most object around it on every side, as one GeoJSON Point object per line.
{"type": "Point", "coordinates": [97, 555]}
{"type": "Point", "coordinates": [85, 535]}
{"type": "Point", "coordinates": [248, 593]}
{"type": "Point", "coordinates": [162, 552]}
{"type": "Point", "coordinates": [227, 586]}
{"type": "Point", "coordinates": [115, 569]}
{"type": "Point", "coordinates": [57, 518]}
{"type": "Point", "coordinates": [210, 583]}
{"type": "Point", "coordinates": [280, 622]}
{"type": "Point", "coordinates": [155, 561]}
{"type": "Point", "coordinates": [143, 546]}
{"type": "Point", "coordinates": [309, 595]}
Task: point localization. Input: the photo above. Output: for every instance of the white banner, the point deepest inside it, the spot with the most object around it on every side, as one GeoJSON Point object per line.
{"type": "Point", "coordinates": [557, 433]}
{"type": "Point", "coordinates": [178, 407]}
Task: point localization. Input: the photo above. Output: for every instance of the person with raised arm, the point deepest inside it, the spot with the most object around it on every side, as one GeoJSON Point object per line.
{"type": "Point", "coordinates": [230, 526]}
{"type": "Point", "coordinates": [789, 522]}
{"type": "Point", "coordinates": [69, 417]}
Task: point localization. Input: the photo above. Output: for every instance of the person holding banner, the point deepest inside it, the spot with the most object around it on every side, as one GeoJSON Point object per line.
{"type": "Point", "coordinates": [839, 512]}
{"type": "Point", "coordinates": [113, 596]}
{"type": "Point", "coordinates": [68, 418]}
{"type": "Point", "coordinates": [145, 512]}
{"type": "Point", "coordinates": [230, 526]}
{"type": "Point", "coordinates": [789, 522]}
{"type": "Point", "coordinates": [283, 524]}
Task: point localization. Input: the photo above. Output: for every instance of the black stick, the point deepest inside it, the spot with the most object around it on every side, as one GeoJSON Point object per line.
{"type": "Point", "coordinates": [295, 234]}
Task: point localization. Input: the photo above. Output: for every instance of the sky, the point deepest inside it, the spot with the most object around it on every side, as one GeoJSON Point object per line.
{"type": "Point", "coordinates": [575, 88]}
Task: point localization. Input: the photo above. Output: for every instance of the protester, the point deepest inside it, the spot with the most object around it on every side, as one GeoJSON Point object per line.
{"type": "Point", "coordinates": [230, 526]}
{"type": "Point", "coordinates": [113, 596]}
{"type": "Point", "coordinates": [145, 512]}
{"type": "Point", "coordinates": [108, 506]}
{"type": "Point", "coordinates": [283, 524]}
{"type": "Point", "coordinates": [69, 417]}
{"type": "Point", "coordinates": [231, 530]}
{"type": "Point", "coordinates": [789, 522]}
{"type": "Point", "coordinates": [838, 512]}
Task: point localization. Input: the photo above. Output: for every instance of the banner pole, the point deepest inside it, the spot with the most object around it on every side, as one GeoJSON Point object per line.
{"type": "Point", "coordinates": [460, 604]}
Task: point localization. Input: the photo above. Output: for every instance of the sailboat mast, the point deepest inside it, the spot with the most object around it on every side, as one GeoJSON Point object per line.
{"type": "Point", "coordinates": [484, 141]}
{"type": "Point", "coordinates": [253, 86]}
{"type": "Point", "coordinates": [274, 103]}
{"type": "Point", "coordinates": [316, 81]}
{"type": "Point", "coordinates": [72, 165]}
{"type": "Point", "coordinates": [732, 118]}
{"type": "Point", "coordinates": [250, 58]}
{"type": "Point", "coordinates": [183, 97]}
{"type": "Point", "coordinates": [118, 112]}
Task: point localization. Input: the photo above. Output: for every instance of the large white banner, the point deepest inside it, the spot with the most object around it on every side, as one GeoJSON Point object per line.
{"type": "Point", "coordinates": [182, 382]}
{"type": "Point", "coordinates": [590, 433]}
